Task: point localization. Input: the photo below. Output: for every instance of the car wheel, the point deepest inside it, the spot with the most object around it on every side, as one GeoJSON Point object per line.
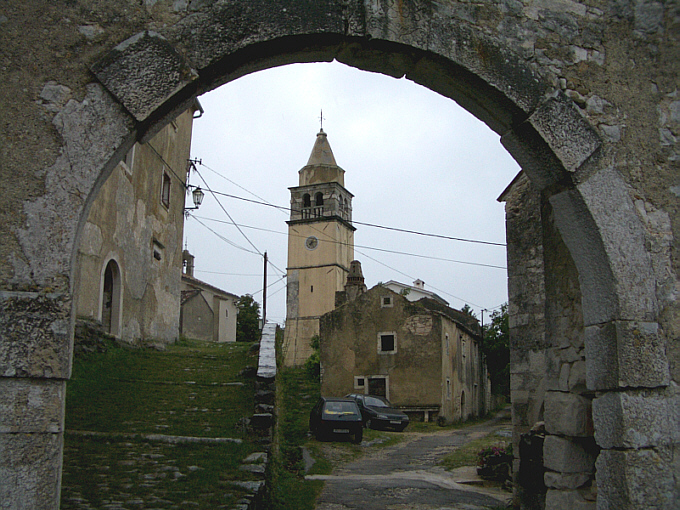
{"type": "Point", "coordinates": [358, 436]}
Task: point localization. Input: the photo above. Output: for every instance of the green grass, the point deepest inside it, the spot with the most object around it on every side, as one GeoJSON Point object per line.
{"type": "Point", "coordinates": [182, 391]}
{"type": "Point", "coordinates": [101, 471]}
{"type": "Point", "coordinates": [467, 455]}
{"type": "Point", "coordinates": [297, 393]}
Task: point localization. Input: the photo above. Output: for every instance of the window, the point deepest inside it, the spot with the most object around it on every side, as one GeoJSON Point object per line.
{"type": "Point", "coordinates": [378, 385]}
{"type": "Point", "coordinates": [165, 190]}
{"type": "Point", "coordinates": [306, 200]}
{"type": "Point", "coordinates": [359, 383]}
{"type": "Point", "coordinates": [387, 343]}
{"type": "Point", "coordinates": [448, 389]}
{"type": "Point", "coordinates": [158, 248]}
{"type": "Point", "coordinates": [129, 159]}
{"type": "Point", "coordinates": [318, 199]}
{"type": "Point", "coordinates": [226, 312]}
{"type": "Point", "coordinates": [447, 344]}
{"type": "Point", "coordinates": [386, 302]}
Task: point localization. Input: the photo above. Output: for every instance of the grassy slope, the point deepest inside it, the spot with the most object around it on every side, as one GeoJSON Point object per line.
{"type": "Point", "coordinates": [181, 391]}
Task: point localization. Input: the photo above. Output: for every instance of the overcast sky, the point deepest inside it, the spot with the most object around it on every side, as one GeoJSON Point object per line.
{"type": "Point", "coordinates": [413, 159]}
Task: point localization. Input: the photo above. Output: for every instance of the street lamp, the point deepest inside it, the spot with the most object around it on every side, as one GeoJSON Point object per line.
{"type": "Point", "coordinates": [197, 196]}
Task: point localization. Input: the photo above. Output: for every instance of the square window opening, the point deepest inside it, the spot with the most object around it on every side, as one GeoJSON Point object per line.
{"type": "Point", "coordinates": [387, 342]}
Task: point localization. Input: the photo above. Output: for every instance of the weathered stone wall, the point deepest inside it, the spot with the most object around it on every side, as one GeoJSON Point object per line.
{"type": "Point", "coordinates": [349, 348]}
{"type": "Point", "coordinates": [526, 320]}
{"type": "Point", "coordinates": [583, 94]}
{"type": "Point", "coordinates": [127, 223]}
{"type": "Point", "coordinates": [423, 371]}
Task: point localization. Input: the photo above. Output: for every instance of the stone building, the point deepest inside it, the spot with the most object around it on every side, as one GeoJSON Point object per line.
{"type": "Point", "coordinates": [423, 356]}
{"type": "Point", "coordinates": [583, 95]}
{"type": "Point", "coordinates": [207, 313]}
{"type": "Point", "coordinates": [320, 247]}
{"type": "Point", "coordinates": [130, 255]}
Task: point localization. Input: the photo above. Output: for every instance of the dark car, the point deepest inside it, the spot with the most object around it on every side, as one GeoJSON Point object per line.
{"type": "Point", "coordinates": [333, 417]}
{"type": "Point", "coordinates": [377, 412]}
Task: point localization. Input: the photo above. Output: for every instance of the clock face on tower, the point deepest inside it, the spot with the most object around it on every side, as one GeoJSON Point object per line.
{"type": "Point", "coordinates": [311, 243]}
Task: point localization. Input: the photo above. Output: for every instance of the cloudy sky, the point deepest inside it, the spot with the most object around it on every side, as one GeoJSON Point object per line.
{"type": "Point", "coordinates": [414, 160]}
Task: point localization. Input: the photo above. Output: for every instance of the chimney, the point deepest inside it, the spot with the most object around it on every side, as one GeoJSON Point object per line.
{"type": "Point", "coordinates": [355, 285]}
{"type": "Point", "coordinates": [419, 284]}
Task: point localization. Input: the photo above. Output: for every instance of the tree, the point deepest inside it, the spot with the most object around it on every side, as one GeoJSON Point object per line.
{"type": "Point", "coordinates": [468, 311]}
{"type": "Point", "coordinates": [496, 349]}
{"type": "Point", "coordinates": [248, 320]}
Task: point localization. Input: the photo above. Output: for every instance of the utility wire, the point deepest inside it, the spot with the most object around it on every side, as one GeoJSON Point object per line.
{"type": "Point", "coordinates": [228, 215]}
{"type": "Point", "coordinates": [234, 223]}
{"type": "Point", "coordinates": [172, 170]}
{"type": "Point", "coordinates": [439, 236]}
{"type": "Point", "coordinates": [226, 274]}
{"type": "Point", "coordinates": [286, 210]}
{"type": "Point", "coordinates": [370, 247]}
{"type": "Point", "coordinates": [226, 240]}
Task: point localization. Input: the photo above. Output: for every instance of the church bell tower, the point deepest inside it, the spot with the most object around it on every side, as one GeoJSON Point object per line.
{"type": "Point", "coordinates": [320, 248]}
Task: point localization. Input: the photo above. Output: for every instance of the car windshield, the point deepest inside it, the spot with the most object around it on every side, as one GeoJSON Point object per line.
{"type": "Point", "coordinates": [375, 402]}
{"type": "Point", "coordinates": [340, 408]}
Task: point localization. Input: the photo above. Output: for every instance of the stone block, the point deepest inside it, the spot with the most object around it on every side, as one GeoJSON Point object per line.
{"type": "Point", "coordinates": [566, 480]}
{"type": "Point", "coordinates": [35, 333]}
{"type": "Point", "coordinates": [641, 355]}
{"type": "Point", "coordinates": [567, 132]}
{"type": "Point", "coordinates": [567, 499]}
{"type": "Point", "coordinates": [635, 479]}
{"type": "Point", "coordinates": [568, 414]}
{"type": "Point", "coordinates": [534, 156]}
{"type": "Point", "coordinates": [30, 470]}
{"type": "Point", "coordinates": [580, 233]}
{"type": "Point", "coordinates": [625, 354]}
{"type": "Point", "coordinates": [637, 419]}
{"type": "Point", "coordinates": [602, 368]}
{"type": "Point", "coordinates": [623, 239]}
{"type": "Point", "coordinates": [31, 405]}
{"type": "Point", "coordinates": [577, 377]}
{"type": "Point", "coordinates": [143, 72]}
{"type": "Point", "coordinates": [262, 420]}
{"type": "Point", "coordinates": [566, 456]}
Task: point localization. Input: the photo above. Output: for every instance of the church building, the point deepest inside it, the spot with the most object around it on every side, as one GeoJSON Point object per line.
{"type": "Point", "coordinates": [320, 248]}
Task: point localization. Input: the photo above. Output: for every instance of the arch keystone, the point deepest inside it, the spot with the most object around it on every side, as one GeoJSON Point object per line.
{"type": "Point", "coordinates": [143, 72]}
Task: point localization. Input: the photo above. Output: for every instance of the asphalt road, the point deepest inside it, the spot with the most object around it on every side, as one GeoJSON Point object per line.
{"type": "Point", "coordinates": [406, 477]}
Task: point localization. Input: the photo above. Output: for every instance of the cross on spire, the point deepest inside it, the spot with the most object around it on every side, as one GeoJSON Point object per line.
{"type": "Point", "coordinates": [321, 119]}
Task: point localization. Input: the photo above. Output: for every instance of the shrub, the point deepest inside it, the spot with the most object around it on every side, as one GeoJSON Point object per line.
{"type": "Point", "coordinates": [495, 463]}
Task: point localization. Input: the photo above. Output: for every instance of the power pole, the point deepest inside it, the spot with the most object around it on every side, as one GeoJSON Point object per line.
{"type": "Point", "coordinates": [264, 293]}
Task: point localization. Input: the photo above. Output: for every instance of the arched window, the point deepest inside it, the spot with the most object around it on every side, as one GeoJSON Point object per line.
{"type": "Point", "coordinates": [318, 199]}
{"type": "Point", "coordinates": [306, 200]}
{"type": "Point", "coordinates": [111, 297]}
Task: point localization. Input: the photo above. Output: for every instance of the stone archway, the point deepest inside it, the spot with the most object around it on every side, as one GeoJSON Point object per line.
{"type": "Point", "coordinates": [541, 88]}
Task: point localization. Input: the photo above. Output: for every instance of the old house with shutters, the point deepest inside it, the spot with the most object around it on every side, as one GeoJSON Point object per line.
{"type": "Point", "coordinates": [130, 257]}
{"type": "Point", "coordinates": [423, 356]}
{"type": "Point", "coordinates": [207, 313]}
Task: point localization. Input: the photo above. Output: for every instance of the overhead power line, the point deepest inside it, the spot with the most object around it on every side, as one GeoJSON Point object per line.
{"type": "Point", "coordinates": [384, 227]}
{"type": "Point", "coordinates": [356, 246]}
